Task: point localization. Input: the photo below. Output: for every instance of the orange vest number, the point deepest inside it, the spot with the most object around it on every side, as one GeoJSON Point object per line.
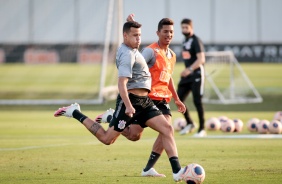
{"type": "Point", "coordinates": [164, 76]}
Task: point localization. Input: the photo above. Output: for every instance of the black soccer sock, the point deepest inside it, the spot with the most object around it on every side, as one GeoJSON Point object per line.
{"type": "Point", "coordinates": [152, 160]}
{"type": "Point", "coordinates": [175, 165]}
{"type": "Point", "coordinates": [78, 115]}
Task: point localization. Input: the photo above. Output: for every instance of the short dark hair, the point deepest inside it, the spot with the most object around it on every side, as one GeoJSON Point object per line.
{"type": "Point", "coordinates": [130, 24]}
{"type": "Point", "coordinates": [187, 21]}
{"type": "Point", "coordinates": [165, 21]}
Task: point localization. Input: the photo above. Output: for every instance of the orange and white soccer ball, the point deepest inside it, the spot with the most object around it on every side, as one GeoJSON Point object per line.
{"type": "Point", "coordinates": [227, 126]}
{"type": "Point", "coordinates": [213, 123]}
{"type": "Point", "coordinates": [194, 174]}
{"type": "Point", "coordinates": [252, 124]}
{"type": "Point", "coordinates": [179, 124]}
{"type": "Point", "coordinates": [278, 116]}
{"type": "Point", "coordinates": [263, 126]}
{"type": "Point", "coordinates": [275, 127]}
{"type": "Point", "coordinates": [238, 125]}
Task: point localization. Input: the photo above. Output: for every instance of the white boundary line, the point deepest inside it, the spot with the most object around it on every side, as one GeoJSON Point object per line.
{"type": "Point", "coordinates": [246, 136]}
{"type": "Point", "coordinates": [39, 147]}
{"type": "Point", "coordinates": [243, 136]}
{"type": "Point", "coordinates": [32, 147]}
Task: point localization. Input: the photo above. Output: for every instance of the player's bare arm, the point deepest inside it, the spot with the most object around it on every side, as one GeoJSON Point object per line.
{"type": "Point", "coordinates": [122, 81]}
{"type": "Point", "coordinates": [180, 106]}
{"type": "Point", "coordinates": [200, 60]}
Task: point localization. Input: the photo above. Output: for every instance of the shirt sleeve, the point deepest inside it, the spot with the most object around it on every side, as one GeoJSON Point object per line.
{"type": "Point", "coordinates": [199, 47]}
{"type": "Point", "coordinates": [126, 61]}
{"type": "Point", "coordinates": [149, 55]}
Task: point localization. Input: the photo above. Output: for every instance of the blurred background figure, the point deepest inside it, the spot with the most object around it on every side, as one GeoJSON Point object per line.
{"type": "Point", "coordinates": [192, 77]}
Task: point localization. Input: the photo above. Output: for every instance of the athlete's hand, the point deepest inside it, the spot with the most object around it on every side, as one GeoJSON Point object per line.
{"type": "Point", "coordinates": [129, 111]}
{"type": "Point", "coordinates": [185, 72]}
{"type": "Point", "coordinates": [130, 17]}
{"type": "Point", "coordinates": [180, 106]}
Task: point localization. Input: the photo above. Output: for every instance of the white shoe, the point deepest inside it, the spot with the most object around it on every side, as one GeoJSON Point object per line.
{"type": "Point", "coordinates": [202, 133]}
{"type": "Point", "coordinates": [187, 129]}
{"type": "Point", "coordinates": [179, 176]}
{"type": "Point", "coordinates": [152, 173]}
{"type": "Point", "coordinates": [106, 117]}
{"type": "Point", "coordinates": [67, 111]}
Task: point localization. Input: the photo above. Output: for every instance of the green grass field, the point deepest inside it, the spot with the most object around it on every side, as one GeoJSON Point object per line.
{"type": "Point", "coordinates": [35, 147]}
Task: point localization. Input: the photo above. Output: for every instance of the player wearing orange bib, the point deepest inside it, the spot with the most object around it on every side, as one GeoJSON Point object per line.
{"type": "Point", "coordinates": [161, 71]}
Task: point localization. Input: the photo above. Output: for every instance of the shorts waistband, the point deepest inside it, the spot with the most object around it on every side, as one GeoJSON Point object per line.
{"type": "Point", "coordinates": [136, 96]}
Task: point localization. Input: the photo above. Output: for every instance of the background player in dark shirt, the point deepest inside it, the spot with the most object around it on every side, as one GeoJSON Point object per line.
{"type": "Point", "coordinates": [192, 77]}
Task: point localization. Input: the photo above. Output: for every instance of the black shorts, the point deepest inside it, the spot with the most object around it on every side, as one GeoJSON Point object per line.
{"type": "Point", "coordinates": [145, 109]}
{"type": "Point", "coordinates": [163, 106]}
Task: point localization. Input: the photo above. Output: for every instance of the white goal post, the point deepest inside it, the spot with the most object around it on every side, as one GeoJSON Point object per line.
{"type": "Point", "coordinates": [226, 82]}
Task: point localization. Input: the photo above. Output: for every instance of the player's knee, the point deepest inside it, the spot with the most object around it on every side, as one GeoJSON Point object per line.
{"type": "Point", "coordinates": [134, 137]}
{"type": "Point", "coordinates": [108, 141]}
{"type": "Point", "coordinates": [169, 129]}
{"type": "Point", "coordinates": [134, 133]}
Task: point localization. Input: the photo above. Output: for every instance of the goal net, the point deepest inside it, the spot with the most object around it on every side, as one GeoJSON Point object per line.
{"type": "Point", "coordinates": [226, 82]}
{"type": "Point", "coordinates": [86, 78]}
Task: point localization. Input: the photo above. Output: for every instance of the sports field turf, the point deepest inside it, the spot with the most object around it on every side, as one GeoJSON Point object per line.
{"type": "Point", "coordinates": [37, 148]}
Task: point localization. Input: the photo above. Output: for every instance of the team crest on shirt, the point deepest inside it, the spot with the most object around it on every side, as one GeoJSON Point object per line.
{"type": "Point", "coordinates": [121, 124]}
{"type": "Point", "coordinates": [188, 44]}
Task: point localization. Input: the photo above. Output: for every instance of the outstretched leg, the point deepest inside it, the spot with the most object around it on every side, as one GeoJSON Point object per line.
{"type": "Point", "coordinates": [107, 137]}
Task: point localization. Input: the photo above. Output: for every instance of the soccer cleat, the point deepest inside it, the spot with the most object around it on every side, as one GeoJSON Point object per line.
{"type": "Point", "coordinates": [67, 111]}
{"type": "Point", "coordinates": [187, 129]}
{"type": "Point", "coordinates": [202, 133]}
{"type": "Point", "coordinates": [106, 117]}
{"type": "Point", "coordinates": [179, 176]}
{"type": "Point", "coordinates": [151, 173]}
